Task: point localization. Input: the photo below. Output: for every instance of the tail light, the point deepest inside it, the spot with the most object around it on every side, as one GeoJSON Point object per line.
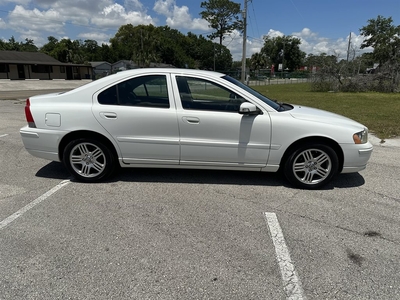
{"type": "Point", "coordinates": [28, 114]}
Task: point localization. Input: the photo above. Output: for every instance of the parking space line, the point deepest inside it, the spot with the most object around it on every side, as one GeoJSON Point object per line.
{"type": "Point", "coordinates": [32, 204]}
{"type": "Point", "coordinates": [291, 281]}
{"type": "Point", "coordinates": [3, 135]}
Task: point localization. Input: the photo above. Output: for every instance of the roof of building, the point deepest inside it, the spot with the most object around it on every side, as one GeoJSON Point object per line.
{"type": "Point", "coordinates": [31, 58]}
{"type": "Point", "coordinates": [95, 64]}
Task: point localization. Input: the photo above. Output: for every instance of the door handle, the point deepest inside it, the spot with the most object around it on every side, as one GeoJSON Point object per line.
{"type": "Point", "coordinates": [191, 120]}
{"type": "Point", "coordinates": [108, 115]}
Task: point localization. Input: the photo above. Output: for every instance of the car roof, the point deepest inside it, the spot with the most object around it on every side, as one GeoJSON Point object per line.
{"type": "Point", "coordinates": [110, 79]}
{"type": "Point", "coordinates": [168, 70]}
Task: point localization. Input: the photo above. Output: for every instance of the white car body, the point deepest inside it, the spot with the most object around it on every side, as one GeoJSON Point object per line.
{"type": "Point", "coordinates": [177, 136]}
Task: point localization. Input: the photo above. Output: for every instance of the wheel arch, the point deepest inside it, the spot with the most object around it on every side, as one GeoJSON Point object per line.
{"type": "Point", "coordinates": [314, 139]}
{"type": "Point", "coordinates": [85, 134]}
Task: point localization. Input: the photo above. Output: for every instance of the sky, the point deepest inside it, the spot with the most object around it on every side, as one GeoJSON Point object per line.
{"type": "Point", "coordinates": [324, 26]}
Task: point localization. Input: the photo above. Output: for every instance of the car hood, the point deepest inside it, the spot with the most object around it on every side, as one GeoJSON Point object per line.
{"type": "Point", "coordinates": [322, 116]}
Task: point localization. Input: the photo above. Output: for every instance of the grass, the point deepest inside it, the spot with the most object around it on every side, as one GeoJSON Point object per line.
{"type": "Point", "coordinates": [380, 112]}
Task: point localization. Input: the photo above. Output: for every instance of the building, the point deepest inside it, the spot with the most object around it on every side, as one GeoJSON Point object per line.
{"type": "Point", "coordinates": [37, 65]}
{"type": "Point", "coordinates": [101, 68]}
{"type": "Point", "coordinates": [123, 65]}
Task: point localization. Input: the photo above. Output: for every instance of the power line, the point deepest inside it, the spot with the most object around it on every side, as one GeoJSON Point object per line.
{"type": "Point", "coordinates": [255, 19]}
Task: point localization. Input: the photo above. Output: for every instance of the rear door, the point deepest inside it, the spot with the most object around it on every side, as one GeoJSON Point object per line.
{"type": "Point", "coordinates": [141, 117]}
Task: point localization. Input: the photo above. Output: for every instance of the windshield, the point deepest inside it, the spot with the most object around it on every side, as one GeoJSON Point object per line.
{"type": "Point", "coordinates": [270, 102]}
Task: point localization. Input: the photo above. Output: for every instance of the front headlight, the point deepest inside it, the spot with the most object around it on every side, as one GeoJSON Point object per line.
{"type": "Point", "coordinates": [361, 137]}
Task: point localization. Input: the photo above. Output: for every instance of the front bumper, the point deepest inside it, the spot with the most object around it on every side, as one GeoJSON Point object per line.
{"type": "Point", "coordinates": [356, 157]}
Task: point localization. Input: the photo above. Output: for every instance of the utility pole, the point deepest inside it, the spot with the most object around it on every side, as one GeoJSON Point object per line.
{"type": "Point", "coordinates": [348, 48]}
{"type": "Point", "coordinates": [244, 14]}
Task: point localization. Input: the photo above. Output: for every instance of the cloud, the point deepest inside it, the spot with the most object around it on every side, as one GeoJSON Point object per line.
{"type": "Point", "coordinates": [274, 33]}
{"type": "Point", "coordinates": [22, 2]}
{"type": "Point", "coordinates": [305, 33]}
{"type": "Point", "coordinates": [35, 21]}
{"type": "Point", "coordinates": [179, 17]}
{"type": "Point", "coordinates": [163, 7]}
{"type": "Point", "coordinates": [311, 42]}
{"type": "Point", "coordinates": [53, 17]}
{"type": "Point", "coordinates": [115, 15]}
{"type": "Point", "coordinates": [134, 5]}
{"type": "Point", "coordinates": [3, 24]}
{"type": "Point", "coordinates": [101, 38]}
{"type": "Point", "coordinates": [94, 36]}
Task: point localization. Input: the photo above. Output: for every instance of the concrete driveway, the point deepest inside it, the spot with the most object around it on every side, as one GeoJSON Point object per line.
{"type": "Point", "coordinates": [22, 89]}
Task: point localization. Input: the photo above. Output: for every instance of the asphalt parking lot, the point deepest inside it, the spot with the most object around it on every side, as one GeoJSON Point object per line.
{"type": "Point", "coordinates": [182, 234]}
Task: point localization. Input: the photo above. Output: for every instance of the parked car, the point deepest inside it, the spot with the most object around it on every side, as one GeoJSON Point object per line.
{"type": "Point", "coordinates": [181, 118]}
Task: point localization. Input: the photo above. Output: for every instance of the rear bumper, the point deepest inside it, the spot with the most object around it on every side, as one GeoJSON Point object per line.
{"type": "Point", "coordinates": [42, 143]}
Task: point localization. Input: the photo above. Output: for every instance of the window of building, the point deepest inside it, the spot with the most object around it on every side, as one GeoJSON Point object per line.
{"type": "Point", "coordinates": [4, 68]}
{"type": "Point", "coordinates": [42, 69]}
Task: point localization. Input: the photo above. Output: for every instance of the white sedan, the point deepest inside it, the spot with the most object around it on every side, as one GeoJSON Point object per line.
{"type": "Point", "coordinates": [181, 118]}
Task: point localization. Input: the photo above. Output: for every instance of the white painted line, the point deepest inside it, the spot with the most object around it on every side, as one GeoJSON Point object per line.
{"type": "Point", "coordinates": [291, 281]}
{"type": "Point", "coordinates": [3, 135]}
{"type": "Point", "coordinates": [35, 202]}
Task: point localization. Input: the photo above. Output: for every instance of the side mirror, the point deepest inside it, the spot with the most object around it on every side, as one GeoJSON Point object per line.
{"type": "Point", "coordinates": [247, 108]}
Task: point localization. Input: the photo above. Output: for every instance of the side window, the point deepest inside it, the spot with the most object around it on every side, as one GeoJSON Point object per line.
{"type": "Point", "coordinates": [201, 94]}
{"type": "Point", "coordinates": [109, 96]}
{"type": "Point", "coordinates": [144, 91]}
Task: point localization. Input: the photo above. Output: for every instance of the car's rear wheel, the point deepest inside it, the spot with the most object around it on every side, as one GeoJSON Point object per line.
{"type": "Point", "coordinates": [88, 160]}
{"type": "Point", "coordinates": [311, 166]}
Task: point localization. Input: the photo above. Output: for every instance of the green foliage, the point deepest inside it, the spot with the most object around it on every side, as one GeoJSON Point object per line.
{"type": "Point", "coordinates": [384, 37]}
{"type": "Point", "coordinates": [146, 44]}
{"type": "Point", "coordinates": [137, 43]}
{"type": "Point", "coordinates": [283, 50]}
{"type": "Point", "coordinates": [143, 44]}
{"type": "Point", "coordinates": [259, 61]}
{"type": "Point", "coordinates": [72, 51]}
{"type": "Point", "coordinates": [223, 17]}
{"type": "Point", "coordinates": [13, 45]}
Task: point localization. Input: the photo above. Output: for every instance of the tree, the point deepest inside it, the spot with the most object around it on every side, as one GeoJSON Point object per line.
{"type": "Point", "coordinates": [206, 54]}
{"type": "Point", "coordinates": [49, 47]}
{"type": "Point", "coordinates": [66, 50]}
{"type": "Point", "coordinates": [171, 47]}
{"type": "Point", "coordinates": [384, 37]}
{"type": "Point", "coordinates": [91, 51]}
{"type": "Point", "coordinates": [13, 45]}
{"type": "Point", "coordinates": [259, 61]}
{"type": "Point", "coordinates": [146, 44]}
{"type": "Point", "coordinates": [283, 50]}
{"type": "Point", "coordinates": [222, 16]}
{"type": "Point", "coordinates": [137, 43]}
{"type": "Point", "coordinates": [28, 46]}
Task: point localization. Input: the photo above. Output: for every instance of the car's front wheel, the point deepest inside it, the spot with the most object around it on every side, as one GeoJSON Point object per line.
{"type": "Point", "coordinates": [311, 166]}
{"type": "Point", "coordinates": [88, 160]}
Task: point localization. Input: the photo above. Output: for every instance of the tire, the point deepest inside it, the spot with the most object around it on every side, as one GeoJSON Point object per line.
{"type": "Point", "coordinates": [88, 160]}
{"type": "Point", "coordinates": [311, 166]}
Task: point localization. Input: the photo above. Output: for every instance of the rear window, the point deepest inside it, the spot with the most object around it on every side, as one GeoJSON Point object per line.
{"type": "Point", "coordinates": [144, 91]}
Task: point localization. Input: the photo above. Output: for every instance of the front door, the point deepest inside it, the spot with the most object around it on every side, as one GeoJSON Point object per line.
{"type": "Point", "coordinates": [213, 133]}
{"type": "Point", "coordinates": [21, 71]}
{"type": "Point", "coordinates": [70, 74]}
